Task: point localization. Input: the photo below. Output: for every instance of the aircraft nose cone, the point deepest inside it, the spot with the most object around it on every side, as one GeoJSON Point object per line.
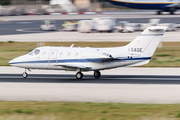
{"type": "Point", "coordinates": [16, 61]}
{"type": "Point", "coordinates": [11, 62]}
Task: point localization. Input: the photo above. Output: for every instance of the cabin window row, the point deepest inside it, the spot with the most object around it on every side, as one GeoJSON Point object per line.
{"type": "Point", "coordinates": [61, 55]}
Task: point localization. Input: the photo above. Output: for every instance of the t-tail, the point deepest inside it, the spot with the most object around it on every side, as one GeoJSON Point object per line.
{"type": "Point", "coordinates": [146, 43]}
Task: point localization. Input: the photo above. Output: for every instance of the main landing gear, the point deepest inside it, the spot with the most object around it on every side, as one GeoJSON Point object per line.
{"type": "Point", "coordinates": [171, 11]}
{"type": "Point", "coordinates": [159, 12]}
{"type": "Point", "coordinates": [97, 74]}
{"type": "Point", "coordinates": [79, 75]}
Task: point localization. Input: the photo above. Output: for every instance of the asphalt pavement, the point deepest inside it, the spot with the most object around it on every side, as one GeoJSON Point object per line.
{"type": "Point", "coordinates": [109, 88]}
{"type": "Point", "coordinates": [105, 79]}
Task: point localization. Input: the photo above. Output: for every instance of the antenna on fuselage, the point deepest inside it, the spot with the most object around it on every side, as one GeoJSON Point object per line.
{"type": "Point", "coordinates": [71, 45]}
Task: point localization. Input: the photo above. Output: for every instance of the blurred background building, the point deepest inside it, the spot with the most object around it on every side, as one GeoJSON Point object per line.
{"type": "Point", "coordinates": [14, 7]}
{"type": "Point", "coordinates": [76, 2]}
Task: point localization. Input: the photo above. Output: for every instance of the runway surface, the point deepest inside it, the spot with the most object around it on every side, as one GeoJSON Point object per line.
{"type": "Point", "coordinates": [126, 85]}
{"type": "Point", "coordinates": [105, 79]}
{"type": "Point", "coordinates": [110, 88]}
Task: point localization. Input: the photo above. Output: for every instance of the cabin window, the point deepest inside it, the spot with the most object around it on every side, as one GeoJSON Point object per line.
{"type": "Point", "coordinates": [44, 54]}
{"type": "Point", "coordinates": [69, 55]}
{"type": "Point", "coordinates": [77, 55]}
{"type": "Point", "coordinates": [61, 55]}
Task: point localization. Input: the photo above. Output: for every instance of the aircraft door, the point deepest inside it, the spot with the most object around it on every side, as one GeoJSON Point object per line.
{"type": "Point", "coordinates": [52, 57]}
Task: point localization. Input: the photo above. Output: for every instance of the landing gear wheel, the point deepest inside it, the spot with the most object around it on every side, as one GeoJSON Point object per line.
{"type": "Point", "coordinates": [24, 75]}
{"type": "Point", "coordinates": [79, 75]}
{"type": "Point", "coordinates": [172, 10]}
{"type": "Point", "coordinates": [110, 31]}
{"type": "Point", "coordinates": [121, 31]}
{"type": "Point", "coordinates": [158, 12]}
{"type": "Point", "coordinates": [97, 74]}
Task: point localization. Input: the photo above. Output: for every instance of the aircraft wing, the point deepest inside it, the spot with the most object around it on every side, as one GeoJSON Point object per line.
{"type": "Point", "coordinates": [73, 66]}
{"type": "Point", "coordinates": [172, 7]}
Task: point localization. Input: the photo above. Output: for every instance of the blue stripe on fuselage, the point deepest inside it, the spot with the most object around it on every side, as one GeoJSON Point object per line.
{"type": "Point", "coordinates": [79, 60]}
{"type": "Point", "coordinates": [140, 5]}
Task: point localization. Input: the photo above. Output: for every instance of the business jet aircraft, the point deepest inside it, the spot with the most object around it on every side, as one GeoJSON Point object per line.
{"type": "Point", "coordinates": [136, 53]}
{"type": "Point", "coordinates": [160, 5]}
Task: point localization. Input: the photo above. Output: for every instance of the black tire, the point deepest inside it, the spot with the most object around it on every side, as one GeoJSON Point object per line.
{"type": "Point", "coordinates": [158, 12]}
{"type": "Point", "coordinates": [110, 31]}
{"type": "Point", "coordinates": [121, 31]}
{"type": "Point", "coordinates": [172, 10]}
{"type": "Point", "coordinates": [25, 75]}
{"type": "Point", "coordinates": [79, 75]}
{"type": "Point", "coordinates": [97, 74]}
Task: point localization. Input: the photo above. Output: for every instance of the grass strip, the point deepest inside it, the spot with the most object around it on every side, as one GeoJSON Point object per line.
{"type": "Point", "coordinates": [87, 111]}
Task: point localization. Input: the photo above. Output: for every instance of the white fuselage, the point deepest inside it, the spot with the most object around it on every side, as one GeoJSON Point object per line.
{"type": "Point", "coordinates": [61, 58]}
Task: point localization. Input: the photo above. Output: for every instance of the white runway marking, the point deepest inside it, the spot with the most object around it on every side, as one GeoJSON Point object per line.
{"type": "Point", "coordinates": [19, 30]}
{"type": "Point", "coordinates": [33, 30]}
{"type": "Point", "coordinates": [29, 30]}
{"type": "Point", "coordinates": [24, 22]}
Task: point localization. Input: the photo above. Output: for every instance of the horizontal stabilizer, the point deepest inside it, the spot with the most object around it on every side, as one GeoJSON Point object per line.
{"type": "Point", "coordinates": [158, 29]}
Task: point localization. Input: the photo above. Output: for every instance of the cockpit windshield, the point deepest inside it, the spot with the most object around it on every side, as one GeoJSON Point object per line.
{"type": "Point", "coordinates": [34, 52]}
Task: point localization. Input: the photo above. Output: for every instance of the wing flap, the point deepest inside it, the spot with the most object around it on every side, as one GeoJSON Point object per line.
{"type": "Point", "coordinates": [73, 66]}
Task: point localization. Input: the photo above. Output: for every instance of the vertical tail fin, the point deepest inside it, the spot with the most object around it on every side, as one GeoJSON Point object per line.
{"type": "Point", "coordinates": [146, 43]}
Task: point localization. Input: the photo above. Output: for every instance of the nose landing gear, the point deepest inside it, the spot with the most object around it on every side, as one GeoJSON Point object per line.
{"type": "Point", "coordinates": [97, 74]}
{"type": "Point", "coordinates": [25, 75]}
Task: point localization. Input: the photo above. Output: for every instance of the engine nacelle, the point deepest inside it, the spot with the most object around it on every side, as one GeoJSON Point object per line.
{"type": "Point", "coordinates": [106, 57]}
